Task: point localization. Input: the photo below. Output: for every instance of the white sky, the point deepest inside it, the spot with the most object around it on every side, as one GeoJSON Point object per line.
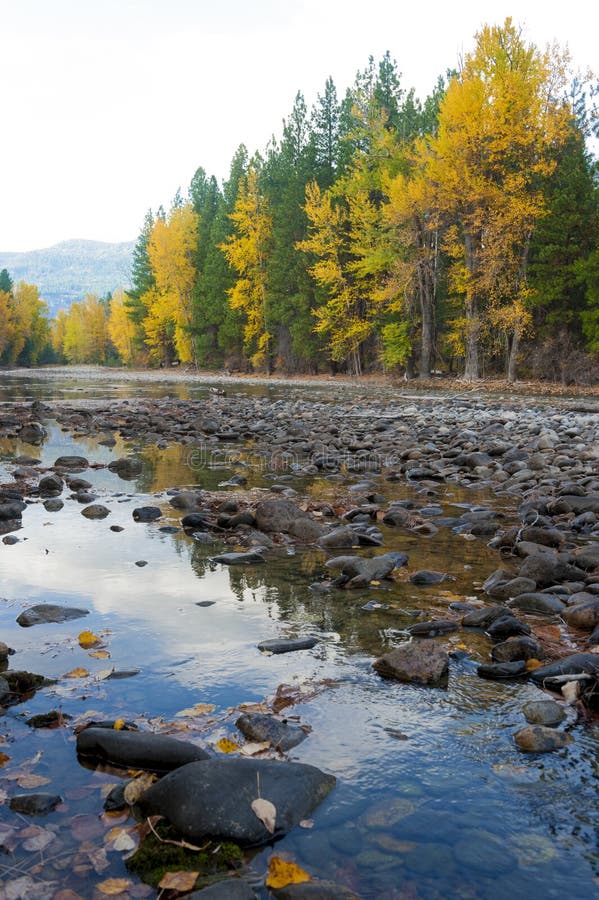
{"type": "Point", "coordinates": [108, 106]}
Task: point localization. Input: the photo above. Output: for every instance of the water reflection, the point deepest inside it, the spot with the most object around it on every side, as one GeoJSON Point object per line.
{"type": "Point", "coordinates": [452, 810]}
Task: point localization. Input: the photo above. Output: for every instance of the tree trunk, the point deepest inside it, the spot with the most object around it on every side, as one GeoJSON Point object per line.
{"type": "Point", "coordinates": [428, 332]}
{"type": "Point", "coordinates": [472, 364]}
{"type": "Point", "coordinates": [513, 356]}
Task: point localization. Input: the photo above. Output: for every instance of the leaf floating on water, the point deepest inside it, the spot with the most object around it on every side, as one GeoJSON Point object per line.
{"type": "Point", "coordinates": [178, 881]}
{"type": "Point", "coordinates": [123, 842]}
{"type": "Point", "coordinates": [281, 873]}
{"type": "Point", "coordinates": [227, 746]}
{"type": "Point", "coordinates": [267, 813]}
{"type": "Point", "coordinates": [306, 823]}
{"type": "Point", "coordinates": [88, 639]}
{"type": "Point", "coordinates": [3, 758]}
{"type": "Point", "coordinates": [199, 709]}
{"type": "Point", "coordinates": [99, 654]}
{"type": "Point", "coordinates": [32, 781]}
{"type": "Point", "coordinates": [114, 886]}
{"type": "Point", "coordinates": [77, 673]}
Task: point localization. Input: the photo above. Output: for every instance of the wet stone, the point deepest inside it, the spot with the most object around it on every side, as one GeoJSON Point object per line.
{"type": "Point", "coordinates": [96, 511]}
{"type": "Point", "coordinates": [287, 645]}
{"type": "Point", "coordinates": [44, 613]}
{"type": "Point", "coordinates": [540, 739]}
{"type": "Point", "coordinates": [418, 662]}
{"type": "Point", "coordinates": [501, 670]}
{"type": "Point", "coordinates": [518, 648]}
{"type": "Point", "coordinates": [34, 804]}
{"type": "Point", "coordinates": [260, 727]}
{"type": "Point", "coordinates": [543, 712]}
{"type": "Point", "coordinates": [140, 750]}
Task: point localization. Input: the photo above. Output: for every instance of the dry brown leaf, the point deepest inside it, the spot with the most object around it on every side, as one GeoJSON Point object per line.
{"type": "Point", "coordinates": [178, 881]}
{"type": "Point", "coordinates": [99, 654]}
{"type": "Point", "coordinates": [266, 812]}
{"type": "Point", "coordinates": [199, 709]}
{"type": "Point", "coordinates": [281, 873]}
{"type": "Point", "coordinates": [77, 673]}
{"type": "Point", "coordinates": [136, 789]}
{"type": "Point", "coordinates": [3, 758]}
{"type": "Point", "coordinates": [306, 823]}
{"type": "Point", "coordinates": [113, 886]}
{"type": "Point", "coordinates": [32, 781]}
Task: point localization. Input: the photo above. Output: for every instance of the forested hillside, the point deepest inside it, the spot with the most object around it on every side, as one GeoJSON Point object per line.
{"type": "Point", "coordinates": [66, 272]}
{"type": "Point", "coordinates": [382, 232]}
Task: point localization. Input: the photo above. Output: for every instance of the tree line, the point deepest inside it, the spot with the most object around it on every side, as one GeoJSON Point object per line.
{"type": "Point", "coordinates": [380, 232]}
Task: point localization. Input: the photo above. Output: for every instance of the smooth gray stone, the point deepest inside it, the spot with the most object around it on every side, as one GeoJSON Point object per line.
{"type": "Point", "coordinates": [575, 664]}
{"type": "Point", "coordinates": [71, 463]}
{"type": "Point", "coordinates": [147, 513]}
{"type": "Point", "coordinates": [416, 662]}
{"type": "Point", "coordinates": [543, 712]}
{"type": "Point", "coordinates": [44, 613]}
{"type": "Point", "coordinates": [515, 649]}
{"type": "Point", "coordinates": [34, 804]}
{"type": "Point", "coordinates": [260, 727]}
{"type": "Point", "coordinates": [502, 670]}
{"type": "Point", "coordinates": [507, 626]}
{"type": "Point", "coordinates": [214, 797]}
{"type": "Point", "coordinates": [482, 618]}
{"type": "Point", "coordinates": [287, 645]}
{"type": "Point", "coordinates": [230, 888]}
{"type": "Point", "coordinates": [433, 628]}
{"type": "Point", "coordinates": [251, 557]}
{"type": "Point", "coordinates": [540, 739]}
{"type": "Point", "coordinates": [136, 749]}
{"type": "Point", "coordinates": [536, 602]}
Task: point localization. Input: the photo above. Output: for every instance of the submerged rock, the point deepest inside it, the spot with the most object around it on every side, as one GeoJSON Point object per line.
{"type": "Point", "coordinates": [135, 749]}
{"type": "Point", "coordinates": [44, 613]}
{"type": "Point", "coordinates": [416, 662]}
{"type": "Point", "coordinates": [95, 511]}
{"type": "Point", "coordinates": [543, 712]}
{"type": "Point", "coordinates": [214, 798]}
{"type": "Point", "coordinates": [239, 559]}
{"type": "Point", "coordinates": [34, 804]}
{"type": "Point", "coordinates": [147, 513]}
{"type": "Point", "coordinates": [540, 739]}
{"type": "Point", "coordinates": [287, 645]}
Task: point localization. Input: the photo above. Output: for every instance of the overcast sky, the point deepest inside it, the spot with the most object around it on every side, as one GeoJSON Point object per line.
{"type": "Point", "coordinates": [108, 106]}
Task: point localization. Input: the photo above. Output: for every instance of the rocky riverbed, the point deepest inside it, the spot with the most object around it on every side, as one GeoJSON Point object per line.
{"type": "Point", "coordinates": [465, 531]}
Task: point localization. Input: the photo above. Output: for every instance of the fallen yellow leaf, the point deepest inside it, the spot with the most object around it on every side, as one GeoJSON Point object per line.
{"type": "Point", "coordinates": [532, 664]}
{"type": "Point", "coordinates": [88, 639]}
{"type": "Point", "coordinates": [227, 746]}
{"type": "Point", "coordinates": [77, 673]}
{"type": "Point", "coordinates": [178, 881]}
{"type": "Point", "coordinates": [281, 873]}
{"type": "Point", "coordinates": [113, 886]}
{"type": "Point", "coordinates": [375, 583]}
{"type": "Point", "coordinates": [119, 724]}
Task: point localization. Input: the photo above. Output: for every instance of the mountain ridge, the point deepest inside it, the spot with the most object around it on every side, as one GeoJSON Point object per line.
{"type": "Point", "coordinates": [65, 272]}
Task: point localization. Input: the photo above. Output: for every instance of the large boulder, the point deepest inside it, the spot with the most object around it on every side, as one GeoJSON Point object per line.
{"type": "Point", "coordinates": [575, 664]}
{"type": "Point", "coordinates": [417, 662]}
{"type": "Point", "coordinates": [284, 515]}
{"type": "Point", "coordinates": [547, 568]}
{"type": "Point", "coordinates": [537, 602]}
{"type": "Point", "coordinates": [583, 615]}
{"type": "Point", "coordinates": [137, 749]}
{"type": "Point", "coordinates": [50, 485]}
{"type": "Point", "coordinates": [355, 571]}
{"type": "Point", "coordinates": [32, 433]}
{"type": "Point", "coordinates": [214, 798]}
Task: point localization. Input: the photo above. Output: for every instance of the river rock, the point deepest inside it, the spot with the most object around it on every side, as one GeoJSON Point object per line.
{"type": "Point", "coordinates": [147, 513]}
{"type": "Point", "coordinates": [137, 750]}
{"type": "Point", "coordinates": [50, 485]}
{"type": "Point", "coordinates": [287, 645]}
{"type": "Point", "coordinates": [500, 670]}
{"type": "Point", "coordinates": [284, 515]}
{"type": "Point", "coordinates": [72, 463]}
{"type": "Point", "coordinates": [248, 558]}
{"type": "Point", "coordinates": [195, 520]}
{"type": "Point", "coordinates": [359, 572]}
{"type": "Point", "coordinates": [540, 739]}
{"type": "Point", "coordinates": [517, 648]}
{"type": "Point", "coordinates": [425, 577]}
{"type": "Point", "coordinates": [214, 798]}
{"type": "Point", "coordinates": [187, 500]}
{"type": "Point", "coordinates": [507, 590]}
{"type": "Point", "coordinates": [34, 804]}
{"type": "Point", "coordinates": [433, 628]}
{"type": "Point", "coordinates": [260, 727]}
{"type": "Point", "coordinates": [43, 613]}
{"type": "Point", "coordinates": [32, 433]}
{"type": "Point", "coordinates": [482, 618]}
{"type": "Point", "coordinates": [536, 602]}
{"type": "Point", "coordinates": [543, 712]}
{"type": "Point", "coordinates": [416, 662]}
{"type": "Point", "coordinates": [546, 569]}
{"type": "Point", "coordinates": [507, 626]}
{"type": "Point", "coordinates": [583, 615]}
{"type": "Point", "coordinates": [575, 664]}
{"type": "Point", "coordinates": [95, 511]}
{"type": "Point", "coordinates": [11, 509]}
{"type": "Point", "coordinates": [588, 558]}
{"type": "Point", "coordinates": [341, 537]}
{"type": "Point", "coordinates": [54, 504]}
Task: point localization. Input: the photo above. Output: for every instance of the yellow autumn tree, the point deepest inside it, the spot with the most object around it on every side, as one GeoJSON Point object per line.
{"type": "Point", "coordinates": [499, 123]}
{"type": "Point", "coordinates": [5, 324]}
{"type": "Point", "coordinates": [122, 330]}
{"type": "Point", "coordinates": [27, 329]}
{"type": "Point", "coordinates": [246, 251]}
{"type": "Point", "coordinates": [171, 250]}
{"type": "Point", "coordinates": [84, 331]}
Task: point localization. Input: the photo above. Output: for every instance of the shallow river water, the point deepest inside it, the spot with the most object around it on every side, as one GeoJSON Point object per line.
{"type": "Point", "coordinates": [433, 800]}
